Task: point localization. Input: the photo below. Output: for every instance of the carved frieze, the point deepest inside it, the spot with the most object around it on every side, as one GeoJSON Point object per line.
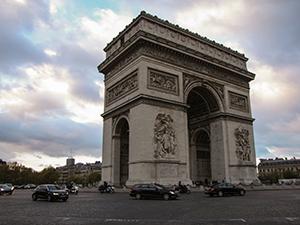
{"type": "Point", "coordinates": [237, 101]}
{"type": "Point", "coordinates": [122, 88]}
{"type": "Point", "coordinates": [162, 81]}
{"type": "Point", "coordinates": [164, 137]}
{"type": "Point", "coordinates": [242, 142]}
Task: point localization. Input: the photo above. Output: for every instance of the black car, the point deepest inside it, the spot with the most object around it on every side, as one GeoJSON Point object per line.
{"type": "Point", "coordinates": [6, 189]}
{"type": "Point", "coordinates": [224, 189]}
{"type": "Point", "coordinates": [140, 191]}
{"type": "Point", "coordinates": [50, 192]}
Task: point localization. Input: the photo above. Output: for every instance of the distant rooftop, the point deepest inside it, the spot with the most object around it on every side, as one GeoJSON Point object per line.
{"type": "Point", "coordinates": [279, 160]}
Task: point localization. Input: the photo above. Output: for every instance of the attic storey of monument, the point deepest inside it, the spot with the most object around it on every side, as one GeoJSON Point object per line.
{"type": "Point", "coordinates": [183, 101]}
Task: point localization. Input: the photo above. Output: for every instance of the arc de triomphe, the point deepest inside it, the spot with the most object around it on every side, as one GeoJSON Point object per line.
{"type": "Point", "coordinates": [177, 107]}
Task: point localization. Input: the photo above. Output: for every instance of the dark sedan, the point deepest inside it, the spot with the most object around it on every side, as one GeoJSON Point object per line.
{"type": "Point", "coordinates": [50, 192]}
{"type": "Point", "coordinates": [224, 189]}
{"type": "Point", "coordinates": [140, 191]}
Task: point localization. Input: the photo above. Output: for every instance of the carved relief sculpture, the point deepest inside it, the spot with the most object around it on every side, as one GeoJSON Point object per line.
{"type": "Point", "coordinates": [164, 137]}
{"type": "Point", "coordinates": [237, 101]}
{"type": "Point", "coordinates": [121, 88]}
{"type": "Point", "coordinates": [162, 81]}
{"type": "Point", "coordinates": [243, 149]}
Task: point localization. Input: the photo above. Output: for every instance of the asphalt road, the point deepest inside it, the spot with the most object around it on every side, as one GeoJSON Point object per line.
{"type": "Point", "coordinates": [257, 207]}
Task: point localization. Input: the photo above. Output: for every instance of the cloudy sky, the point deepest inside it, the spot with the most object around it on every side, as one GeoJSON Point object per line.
{"type": "Point", "coordinates": [51, 94]}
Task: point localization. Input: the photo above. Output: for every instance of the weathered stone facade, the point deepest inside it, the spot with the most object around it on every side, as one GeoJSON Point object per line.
{"type": "Point", "coordinates": [176, 108]}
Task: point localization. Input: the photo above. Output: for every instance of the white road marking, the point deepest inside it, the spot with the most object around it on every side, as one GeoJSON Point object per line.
{"type": "Point", "coordinates": [240, 219]}
{"type": "Point", "coordinates": [292, 218]}
{"type": "Point", "coordinates": [123, 220]}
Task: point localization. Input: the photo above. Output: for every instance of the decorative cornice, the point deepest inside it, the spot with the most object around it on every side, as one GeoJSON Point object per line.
{"type": "Point", "coordinates": [168, 161]}
{"type": "Point", "coordinates": [242, 165]}
{"type": "Point", "coordinates": [224, 116]}
{"type": "Point", "coordinates": [161, 53]}
{"type": "Point", "coordinates": [141, 35]}
{"type": "Point", "coordinates": [143, 99]}
{"type": "Point", "coordinates": [155, 101]}
{"type": "Point", "coordinates": [174, 27]}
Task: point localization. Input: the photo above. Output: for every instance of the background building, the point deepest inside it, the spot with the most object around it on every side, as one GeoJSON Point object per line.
{"type": "Point", "coordinates": [270, 170]}
{"type": "Point", "coordinates": [79, 172]}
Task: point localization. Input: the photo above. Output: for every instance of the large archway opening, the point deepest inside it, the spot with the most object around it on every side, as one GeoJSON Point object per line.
{"type": "Point", "coordinates": [122, 132]}
{"type": "Point", "coordinates": [202, 106]}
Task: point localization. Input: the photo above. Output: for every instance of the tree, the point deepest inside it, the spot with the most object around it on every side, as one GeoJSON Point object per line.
{"type": "Point", "coordinates": [94, 177]}
{"type": "Point", "coordinates": [48, 175]}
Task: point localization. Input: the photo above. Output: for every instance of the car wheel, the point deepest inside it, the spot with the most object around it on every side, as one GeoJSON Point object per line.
{"type": "Point", "coordinates": [242, 192]}
{"type": "Point", "coordinates": [211, 195]}
{"type": "Point", "coordinates": [166, 197]}
{"type": "Point", "coordinates": [65, 199]}
{"type": "Point", "coordinates": [138, 196]}
{"type": "Point", "coordinates": [220, 193]}
{"type": "Point", "coordinates": [49, 198]}
{"type": "Point", "coordinates": [34, 197]}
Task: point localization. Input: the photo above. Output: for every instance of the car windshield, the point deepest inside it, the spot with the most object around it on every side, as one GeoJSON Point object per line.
{"type": "Point", "coordinates": [53, 188]}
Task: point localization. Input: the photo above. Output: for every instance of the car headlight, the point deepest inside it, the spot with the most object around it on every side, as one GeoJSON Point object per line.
{"type": "Point", "coordinates": [55, 193]}
{"type": "Point", "coordinates": [172, 192]}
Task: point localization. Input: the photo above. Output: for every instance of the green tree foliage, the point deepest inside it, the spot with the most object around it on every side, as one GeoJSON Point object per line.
{"type": "Point", "coordinates": [274, 176]}
{"type": "Point", "coordinates": [94, 177]}
{"type": "Point", "coordinates": [23, 175]}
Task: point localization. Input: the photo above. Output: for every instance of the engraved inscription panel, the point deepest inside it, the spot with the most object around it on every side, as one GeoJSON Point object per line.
{"type": "Point", "coordinates": [162, 81]}
{"type": "Point", "coordinates": [237, 101]}
{"type": "Point", "coordinates": [122, 88]}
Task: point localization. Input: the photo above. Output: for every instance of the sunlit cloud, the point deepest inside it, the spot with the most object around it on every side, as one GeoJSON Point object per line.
{"type": "Point", "coordinates": [283, 152]}
{"type": "Point", "coordinates": [50, 52]}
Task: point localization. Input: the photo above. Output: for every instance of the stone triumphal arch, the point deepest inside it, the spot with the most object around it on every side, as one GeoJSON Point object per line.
{"type": "Point", "coordinates": [177, 107]}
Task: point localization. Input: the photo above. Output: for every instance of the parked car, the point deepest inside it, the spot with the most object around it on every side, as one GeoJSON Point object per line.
{"type": "Point", "coordinates": [224, 189]}
{"type": "Point", "coordinates": [5, 189]}
{"type": "Point", "coordinates": [12, 187]}
{"type": "Point", "coordinates": [21, 186]}
{"type": "Point", "coordinates": [140, 191]}
{"type": "Point", "coordinates": [29, 186]}
{"type": "Point", "coordinates": [50, 192]}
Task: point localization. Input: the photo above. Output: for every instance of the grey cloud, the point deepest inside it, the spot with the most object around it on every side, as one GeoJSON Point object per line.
{"type": "Point", "coordinates": [16, 24]}
{"type": "Point", "coordinates": [271, 31]}
{"type": "Point", "coordinates": [83, 69]}
{"type": "Point", "coordinates": [52, 136]}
